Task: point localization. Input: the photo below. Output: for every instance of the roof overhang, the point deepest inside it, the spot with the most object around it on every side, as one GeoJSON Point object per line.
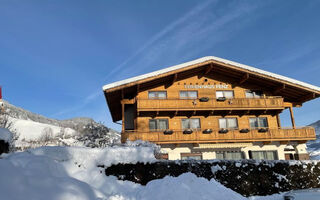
{"type": "Point", "coordinates": [304, 91]}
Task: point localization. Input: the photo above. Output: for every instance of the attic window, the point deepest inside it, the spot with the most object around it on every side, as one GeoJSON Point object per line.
{"type": "Point", "coordinates": [157, 95]}
{"type": "Point", "coordinates": [254, 94]}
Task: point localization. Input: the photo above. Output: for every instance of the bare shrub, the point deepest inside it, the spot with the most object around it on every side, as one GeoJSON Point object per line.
{"type": "Point", "coordinates": [46, 136]}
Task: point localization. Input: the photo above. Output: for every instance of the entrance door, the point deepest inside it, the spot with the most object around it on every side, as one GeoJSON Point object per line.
{"type": "Point", "coordinates": [288, 156]}
{"type": "Point", "coordinates": [129, 116]}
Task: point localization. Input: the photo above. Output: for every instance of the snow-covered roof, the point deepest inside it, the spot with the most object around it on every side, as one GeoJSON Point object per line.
{"type": "Point", "coordinates": [206, 59]}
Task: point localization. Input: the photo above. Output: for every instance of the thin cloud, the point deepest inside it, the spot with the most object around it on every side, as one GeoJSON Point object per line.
{"type": "Point", "coordinates": [149, 43]}
{"type": "Point", "coordinates": [162, 33]}
{"type": "Point", "coordinates": [198, 27]}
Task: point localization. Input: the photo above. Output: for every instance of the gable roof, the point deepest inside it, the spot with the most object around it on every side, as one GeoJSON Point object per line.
{"type": "Point", "coordinates": [206, 59]}
{"type": "Point", "coordinates": [294, 91]}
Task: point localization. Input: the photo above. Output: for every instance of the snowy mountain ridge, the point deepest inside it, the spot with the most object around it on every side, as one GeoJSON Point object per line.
{"type": "Point", "coordinates": [20, 113]}
{"type": "Point", "coordinates": [314, 145]}
{"type": "Point", "coordinates": [35, 130]}
{"type": "Point", "coordinates": [316, 126]}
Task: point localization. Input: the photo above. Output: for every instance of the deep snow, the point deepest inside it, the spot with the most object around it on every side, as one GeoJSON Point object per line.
{"type": "Point", "coordinates": [62, 173]}
{"type": "Point", "coordinates": [67, 173]}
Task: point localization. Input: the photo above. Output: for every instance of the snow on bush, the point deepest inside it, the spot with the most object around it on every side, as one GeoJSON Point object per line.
{"type": "Point", "coordinates": [5, 135]}
{"type": "Point", "coordinates": [62, 173]}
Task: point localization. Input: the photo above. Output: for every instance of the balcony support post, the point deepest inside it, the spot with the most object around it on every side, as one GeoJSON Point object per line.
{"type": "Point", "coordinates": [278, 121]}
{"type": "Point", "coordinates": [122, 110]}
{"type": "Point", "coordinates": [292, 118]}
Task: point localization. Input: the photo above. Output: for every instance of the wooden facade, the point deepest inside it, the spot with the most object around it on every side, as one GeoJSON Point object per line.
{"type": "Point", "coordinates": [208, 92]}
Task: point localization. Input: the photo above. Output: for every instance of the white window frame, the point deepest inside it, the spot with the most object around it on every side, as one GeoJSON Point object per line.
{"type": "Point", "coordinates": [157, 124]}
{"type": "Point", "coordinates": [189, 123]}
{"type": "Point", "coordinates": [258, 121]}
{"type": "Point", "coordinates": [188, 95]}
{"type": "Point", "coordinates": [254, 94]}
{"type": "Point", "coordinates": [223, 94]}
{"type": "Point", "coordinates": [157, 95]}
{"type": "Point", "coordinates": [227, 124]}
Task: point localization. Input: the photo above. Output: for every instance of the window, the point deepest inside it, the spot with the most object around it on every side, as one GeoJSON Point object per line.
{"type": "Point", "coordinates": [190, 123]}
{"type": "Point", "coordinates": [263, 155]}
{"type": "Point", "coordinates": [157, 95]}
{"type": "Point", "coordinates": [258, 122]}
{"type": "Point", "coordinates": [158, 124]}
{"type": "Point", "coordinates": [228, 94]}
{"type": "Point", "coordinates": [191, 156]}
{"type": "Point", "coordinates": [253, 94]}
{"type": "Point", "coordinates": [228, 123]}
{"type": "Point", "coordinates": [229, 155]}
{"type": "Point", "coordinates": [188, 94]}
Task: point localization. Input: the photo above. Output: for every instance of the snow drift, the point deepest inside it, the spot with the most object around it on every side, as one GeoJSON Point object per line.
{"type": "Point", "coordinates": [61, 173]}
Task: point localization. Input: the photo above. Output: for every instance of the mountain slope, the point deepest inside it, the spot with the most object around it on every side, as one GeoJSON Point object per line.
{"type": "Point", "coordinates": [36, 130]}
{"type": "Point", "coordinates": [314, 146]}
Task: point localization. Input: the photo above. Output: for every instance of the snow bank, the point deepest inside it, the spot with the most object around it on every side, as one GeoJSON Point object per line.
{"type": "Point", "coordinates": [25, 176]}
{"type": "Point", "coordinates": [5, 135]}
{"type": "Point", "coordinates": [94, 156]}
{"type": "Point", "coordinates": [187, 186]}
{"type": "Point", "coordinates": [61, 173]}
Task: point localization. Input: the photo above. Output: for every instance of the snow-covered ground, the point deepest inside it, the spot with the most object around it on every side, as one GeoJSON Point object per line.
{"type": "Point", "coordinates": [31, 134]}
{"type": "Point", "coordinates": [67, 173]}
{"type": "Point", "coordinates": [29, 130]}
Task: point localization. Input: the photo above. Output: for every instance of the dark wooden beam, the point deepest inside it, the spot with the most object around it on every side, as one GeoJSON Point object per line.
{"type": "Point", "coordinates": [307, 97]}
{"type": "Point", "coordinates": [244, 78]}
{"type": "Point", "coordinates": [138, 88]}
{"type": "Point", "coordinates": [277, 90]}
{"type": "Point", "coordinates": [174, 79]}
{"type": "Point", "coordinates": [208, 69]}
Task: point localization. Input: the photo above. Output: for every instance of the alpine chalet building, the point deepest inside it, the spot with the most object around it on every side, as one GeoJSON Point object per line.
{"type": "Point", "coordinates": [212, 108]}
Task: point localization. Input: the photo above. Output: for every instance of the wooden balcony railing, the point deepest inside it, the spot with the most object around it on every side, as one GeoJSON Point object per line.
{"type": "Point", "coordinates": [197, 136]}
{"type": "Point", "coordinates": [196, 104]}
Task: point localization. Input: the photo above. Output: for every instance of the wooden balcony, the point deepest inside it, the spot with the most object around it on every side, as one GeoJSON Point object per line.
{"type": "Point", "coordinates": [211, 104]}
{"type": "Point", "coordinates": [197, 136]}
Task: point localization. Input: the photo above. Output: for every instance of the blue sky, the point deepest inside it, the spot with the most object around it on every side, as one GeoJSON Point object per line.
{"type": "Point", "coordinates": [55, 55]}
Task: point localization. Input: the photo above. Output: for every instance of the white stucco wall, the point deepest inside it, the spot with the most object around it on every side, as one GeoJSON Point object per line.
{"type": "Point", "coordinates": [174, 151]}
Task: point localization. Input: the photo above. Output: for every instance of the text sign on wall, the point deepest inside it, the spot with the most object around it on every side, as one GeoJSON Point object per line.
{"type": "Point", "coordinates": [217, 86]}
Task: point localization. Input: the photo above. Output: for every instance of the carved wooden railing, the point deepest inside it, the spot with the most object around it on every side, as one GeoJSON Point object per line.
{"type": "Point", "coordinates": [198, 136]}
{"type": "Point", "coordinates": [196, 104]}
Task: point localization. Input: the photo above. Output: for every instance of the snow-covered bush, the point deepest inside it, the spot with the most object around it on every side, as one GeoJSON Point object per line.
{"type": "Point", "coordinates": [6, 138]}
{"type": "Point", "coordinates": [247, 177]}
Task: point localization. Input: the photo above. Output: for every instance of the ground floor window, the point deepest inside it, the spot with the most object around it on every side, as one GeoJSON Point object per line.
{"type": "Point", "coordinates": [191, 156]}
{"type": "Point", "coordinates": [229, 155]}
{"type": "Point", "coordinates": [263, 155]}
